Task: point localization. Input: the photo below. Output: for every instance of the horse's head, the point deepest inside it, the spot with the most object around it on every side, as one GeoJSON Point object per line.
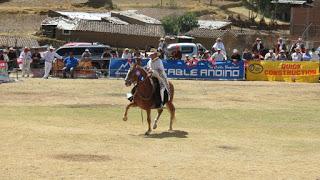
{"type": "Point", "coordinates": [135, 74]}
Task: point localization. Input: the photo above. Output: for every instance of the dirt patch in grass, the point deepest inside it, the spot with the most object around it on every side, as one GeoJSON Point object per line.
{"type": "Point", "coordinates": [82, 157]}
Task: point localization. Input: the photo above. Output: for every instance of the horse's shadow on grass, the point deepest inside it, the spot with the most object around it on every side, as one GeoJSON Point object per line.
{"type": "Point", "coordinates": [169, 134]}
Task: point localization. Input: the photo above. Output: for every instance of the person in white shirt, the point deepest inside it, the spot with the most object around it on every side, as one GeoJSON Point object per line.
{"type": "Point", "coordinates": [219, 45]}
{"type": "Point", "coordinates": [297, 55]}
{"type": "Point", "coordinates": [270, 55]}
{"type": "Point", "coordinates": [282, 56]}
{"type": "Point", "coordinates": [26, 58]}
{"type": "Point", "coordinates": [156, 68]}
{"type": "Point", "coordinates": [314, 55]}
{"type": "Point", "coordinates": [49, 57]}
{"type": "Point", "coordinates": [126, 54]}
{"type": "Point", "coordinates": [219, 56]}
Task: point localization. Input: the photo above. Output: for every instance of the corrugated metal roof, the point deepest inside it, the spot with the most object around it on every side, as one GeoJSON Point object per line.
{"type": "Point", "coordinates": [212, 33]}
{"type": "Point", "coordinates": [208, 24]}
{"type": "Point", "coordinates": [130, 29]}
{"type": "Point", "coordinates": [85, 15]}
{"type": "Point", "coordinates": [12, 41]}
{"type": "Point", "coordinates": [296, 2]}
{"type": "Point", "coordinates": [134, 15]}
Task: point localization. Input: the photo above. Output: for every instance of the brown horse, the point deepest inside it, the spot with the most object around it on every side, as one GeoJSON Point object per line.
{"type": "Point", "coordinates": [144, 96]}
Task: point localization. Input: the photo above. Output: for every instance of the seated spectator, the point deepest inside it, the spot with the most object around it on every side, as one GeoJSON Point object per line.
{"type": "Point", "coordinates": [106, 54]}
{"type": "Point", "coordinates": [315, 55]}
{"type": "Point", "coordinates": [297, 55]}
{"type": "Point", "coordinates": [188, 60]}
{"type": "Point", "coordinates": [306, 56]}
{"type": "Point", "coordinates": [298, 44]}
{"type": "Point", "coordinates": [246, 55]}
{"type": "Point", "coordinates": [219, 56]}
{"type": "Point", "coordinates": [194, 60]}
{"type": "Point", "coordinates": [235, 57]}
{"type": "Point", "coordinates": [282, 56]}
{"type": "Point", "coordinates": [206, 56]}
{"type": "Point", "coordinates": [86, 55]}
{"type": "Point", "coordinates": [257, 56]}
{"type": "Point", "coordinates": [270, 55]}
{"type": "Point", "coordinates": [126, 54]}
{"type": "Point", "coordinates": [219, 45]}
{"type": "Point", "coordinates": [70, 64]}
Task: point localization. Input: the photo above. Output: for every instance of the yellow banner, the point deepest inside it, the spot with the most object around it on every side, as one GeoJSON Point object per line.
{"type": "Point", "coordinates": [283, 71]}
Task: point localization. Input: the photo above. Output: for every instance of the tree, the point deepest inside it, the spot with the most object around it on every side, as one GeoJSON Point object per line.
{"type": "Point", "coordinates": [187, 22]}
{"type": "Point", "coordinates": [170, 25]}
{"type": "Point", "coordinates": [181, 24]}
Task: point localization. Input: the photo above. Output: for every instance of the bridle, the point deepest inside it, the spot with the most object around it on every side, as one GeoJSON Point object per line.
{"type": "Point", "coordinates": [139, 82]}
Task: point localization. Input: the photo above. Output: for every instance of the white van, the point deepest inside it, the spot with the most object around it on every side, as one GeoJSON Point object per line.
{"type": "Point", "coordinates": [186, 49]}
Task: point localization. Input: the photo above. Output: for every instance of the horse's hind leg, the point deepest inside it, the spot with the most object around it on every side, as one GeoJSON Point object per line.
{"type": "Point", "coordinates": [149, 122]}
{"type": "Point", "coordinates": [155, 125]}
{"type": "Point", "coordinates": [172, 111]}
{"type": "Point", "coordinates": [125, 116]}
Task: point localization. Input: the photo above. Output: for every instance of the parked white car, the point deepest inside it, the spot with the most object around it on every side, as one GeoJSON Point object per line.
{"type": "Point", "coordinates": [186, 49]}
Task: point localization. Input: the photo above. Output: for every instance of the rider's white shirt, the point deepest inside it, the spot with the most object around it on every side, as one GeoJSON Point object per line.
{"type": "Point", "coordinates": [156, 65]}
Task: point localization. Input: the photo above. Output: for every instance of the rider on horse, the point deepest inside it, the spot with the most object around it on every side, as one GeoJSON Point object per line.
{"type": "Point", "coordinates": [156, 69]}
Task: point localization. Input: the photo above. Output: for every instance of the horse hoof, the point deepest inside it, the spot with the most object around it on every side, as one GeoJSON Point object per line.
{"type": "Point", "coordinates": [170, 129]}
{"type": "Point", "coordinates": [155, 126]}
{"type": "Point", "coordinates": [147, 133]}
{"type": "Point", "coordinates": [125, 119]}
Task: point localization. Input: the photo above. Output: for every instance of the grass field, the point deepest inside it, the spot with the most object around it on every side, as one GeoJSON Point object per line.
{"type": "Point", "coordinates": [72, 129]}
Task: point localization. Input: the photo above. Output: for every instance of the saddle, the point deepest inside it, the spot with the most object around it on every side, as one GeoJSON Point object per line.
{"type": "Point", "coordinates": [156, 95]}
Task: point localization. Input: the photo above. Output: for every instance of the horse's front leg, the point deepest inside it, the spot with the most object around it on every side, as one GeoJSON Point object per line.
{"type": "Point", "coordinates": [155, 125]}
{"type": "Point", "coordinates": [149, 122]}
{"type": "Point", "coordinates": [125, 116]}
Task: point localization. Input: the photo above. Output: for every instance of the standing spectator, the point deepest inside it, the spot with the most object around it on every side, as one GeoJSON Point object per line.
{"type": "Point", "coordinates": [36, 57]}
{"type": "Point", "coordinates": [106, 54]}
{"type": "Point", "coordinates": [235, 57]}
{"type": "Point", "coordinates": [315, 55]}
{"type": "Point", "coordinates": [49, 57]}
{"type": "Point", "coordinates": [26, 59]}
{"type": "Point", "coordinates": [246, 55]}
{"type": "Point", "coordinates": [298, 44]}
{"type": "Point", "coordinates": [162, 47]}
{"type": "Point", "coordinates": [257, 46]}
{"type": "Point", "coordinates": [126, 54]}
{"type": "Point", "coordinates": [12, 58]}
{"type": "Point", "coordinates": [219, 45]}
{"type": "Point", "coordinates": [70, 63]}
{"type": "Point", "coordinates": [297, 55]}
{"type": "Point", "coordinates": [177, 54]}
{"type": "Point", "coordinates": [219, 56]}
{"type": "Point", "coordinates": [282, 56]}
{"type": "Point", "coordinates": [1, 55]}
{"type": "Point", "coordinates": [137, 53]}
{"type": "Point", "coordinates": [86, 55]}
{"type": "Point", "coordinates": [306, 56]}
{"type": "Point", "coordinates": [5, 57]}
{"type": "Point", "coordinates": [270, 55]}
{"type": "Point", "coordinates": [280, 45]}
